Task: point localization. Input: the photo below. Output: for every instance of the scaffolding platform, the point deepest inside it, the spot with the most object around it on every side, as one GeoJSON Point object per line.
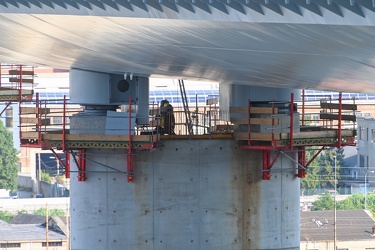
{"type": "Point", "coordinates": [10, 94]}
{"type": "Point", "coordinates": [312, 136]}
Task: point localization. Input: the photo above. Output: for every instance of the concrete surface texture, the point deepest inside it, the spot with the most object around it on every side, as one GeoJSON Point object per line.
{"type": "Point", "coordinates": [187, 194]}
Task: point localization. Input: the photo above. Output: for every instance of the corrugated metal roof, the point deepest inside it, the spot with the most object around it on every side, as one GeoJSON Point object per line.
{"type": "Point", "coordinates": [28, 232]}
{"type": "Point", "coordinates": [350, 224]}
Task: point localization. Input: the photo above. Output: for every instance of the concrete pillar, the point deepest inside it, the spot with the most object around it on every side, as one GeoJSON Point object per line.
{"type": "Point", "coordinates": [234, 95]}
{"type": "Point", "coordinates": [188, 194]}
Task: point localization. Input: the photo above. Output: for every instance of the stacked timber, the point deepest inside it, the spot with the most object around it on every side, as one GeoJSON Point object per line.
{"type": "Point", "coordinates": [263, 121]}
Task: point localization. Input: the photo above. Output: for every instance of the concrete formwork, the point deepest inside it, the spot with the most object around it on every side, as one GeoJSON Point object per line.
{"type": "Point", "coordinates": [188, 194]}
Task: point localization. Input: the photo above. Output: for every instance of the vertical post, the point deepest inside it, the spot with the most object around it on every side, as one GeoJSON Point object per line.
{"type": "Point", "coordinates": [38, 116]}
{"type": "Point", "coordinates": [334, 210]}
{"type": "Point", "coordinates": [39, 171]}
{"type": "Point", "coordinates": [82, 164]}
{"type": "Point", "coordinates": [303, 107]}
{"type": "Point", "coordinates": [67, 165]}
{"type": "Point", "coordinates": [248, 123]}
{"type": "Point", "coordinates": [67, 228]}
{"type": "Point", "coordinates": [339, 121]}
{"type": "Point", "coordinates": [366, 190]}
{"type": "Point", "coordinates": [266, 174]}
{"type": "Point", "coordinates": [57, 166]}
{"type": "Point", "coordinates": [273, 123]}
{"type": "Point", "coordinates": [196, 114]}
{"type": "Point", "coordinates": [291, 122]}
{"type": "Point", "coordinates": [130, 156]}
{"type": "Point", "coordinates": [301, 162]}
{"type": "Point", "coordinates": [20, 92]}
{"type": "Point", "coordinates": [64, 124]}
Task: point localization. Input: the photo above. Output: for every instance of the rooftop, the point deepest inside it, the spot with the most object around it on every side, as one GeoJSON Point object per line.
{"type": "Point", "coordinates": [27, 232]}
{"type": "Point", "coordinates": [351, 225]}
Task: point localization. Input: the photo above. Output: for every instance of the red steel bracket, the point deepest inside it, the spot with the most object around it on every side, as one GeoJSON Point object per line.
{"type": "Point", "coordinates": [267, 164]}
{"type": "Point", "coordinates": [301, 162]}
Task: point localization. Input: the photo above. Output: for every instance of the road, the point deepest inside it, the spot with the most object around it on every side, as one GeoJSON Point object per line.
{"type": "Point", "coordinates": [32, 204]}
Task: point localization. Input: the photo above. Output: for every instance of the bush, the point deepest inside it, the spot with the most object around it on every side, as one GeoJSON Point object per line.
{"type": "Point", "coordinates": [6, 216]}
{"type": "Point", "coordinates": [45, 177]}
{"type": "Point", "coordinates": [51, 212]}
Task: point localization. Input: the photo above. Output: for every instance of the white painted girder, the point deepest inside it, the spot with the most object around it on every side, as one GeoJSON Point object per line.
{"type": "Point", "coordinates": [315, 44]}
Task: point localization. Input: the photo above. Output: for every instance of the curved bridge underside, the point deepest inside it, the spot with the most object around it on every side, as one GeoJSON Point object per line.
{"type": "Point", "coordinates": [318, 44]}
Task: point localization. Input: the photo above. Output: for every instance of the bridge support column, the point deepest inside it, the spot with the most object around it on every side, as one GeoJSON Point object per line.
{"type": "Point", "coordinates": [189, 194]}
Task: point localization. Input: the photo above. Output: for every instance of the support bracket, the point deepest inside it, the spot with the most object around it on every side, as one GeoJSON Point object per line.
{"type": "Point", "coordinates": [268, 163]}
{"type": "Point", "coordinates": [81, 163]}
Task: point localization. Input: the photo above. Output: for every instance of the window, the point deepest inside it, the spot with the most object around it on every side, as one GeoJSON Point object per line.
{"type": "Point", "coordinates": [362, 133]}
{"type": "Point", "coordinates": [355, 174]}
{"type": "Point", "coordinates": [361, 161]}
{"type": "Point", "coordinates": [10, 245]}
{"type": "Point", "coordinates": [57, 120]}
{"type": "Point", "coordinates": [52, 244]}
{"type": "Point", "coordinates": [9, 117]}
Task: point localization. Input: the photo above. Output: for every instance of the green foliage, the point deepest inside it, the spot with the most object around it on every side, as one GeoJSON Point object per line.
{"type": "Point", "coordinates": [355, 201]}
{"type": "Point", "coordinates": [320, 173]}
{"type": "Point", "coordinates": [312, 179]}
{"type": "Point", "coordinates": [324, 202]}
{"type": "Point", "coordinates": [8, 160]}
{"type": "Point", "coordinates": [326, 163]}
{"type": "Point", "coordinates": [45, 177]}
{"type": "Point", "coordinates": [51, 212]}
{"type": "Point", "coordinates": [6, 216]}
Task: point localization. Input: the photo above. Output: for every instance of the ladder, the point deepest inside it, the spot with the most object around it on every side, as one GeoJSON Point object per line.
{"type": "Point", "coordinates": [188, 121]}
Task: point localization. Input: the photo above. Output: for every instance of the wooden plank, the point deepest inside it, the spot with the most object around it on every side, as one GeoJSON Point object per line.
{"type": "Point", "coordinates": [36, 121]}
{"type": "Point", "coordinates": [12, 92]}
{"type": "Point", "coordinates": [318, 134]}
{"type": "Point", "coordinates": [336, 117]}
{"type": "Point", "coordinates": [34, 110]}
{"type": "Point", "coordinates": [18, 72]}
{"type": "Point", "coordinates": [345, 106]}
{"type": "Point", "coordinates": [255, 121]}
{"type": "Point", "coordinates": [88, 137]}
{"type": "Point", "coordinates": [296, 135]}
{"type": "Point", "coordinates": [14, 79]}
{"type": "Point", "coordinates": [254, 110]}
{"type": "Point", "coordinates": [29, 135]}
{"type": "Point", "coordinates": [222, 128]}
{"type": "Point", "coordinates": [255, 136]}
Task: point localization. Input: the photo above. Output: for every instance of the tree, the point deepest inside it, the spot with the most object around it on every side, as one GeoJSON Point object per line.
{"type": "Point", "coordinates": [320, 173]}
{"type": "Point", "coordinates": [8, 160]}
{"type": "Point", "coordinates": [311, 181]}
{"type": "Point", "coordinates": [355, 201]}
{"type": "Point", "coordinates": [327, 166]}
{"type": "Point", "coordinates": [324, 202]}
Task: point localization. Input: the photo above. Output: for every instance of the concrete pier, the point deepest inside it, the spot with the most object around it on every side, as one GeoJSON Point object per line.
{"type": "Point", "coordinates": [188, 194]}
